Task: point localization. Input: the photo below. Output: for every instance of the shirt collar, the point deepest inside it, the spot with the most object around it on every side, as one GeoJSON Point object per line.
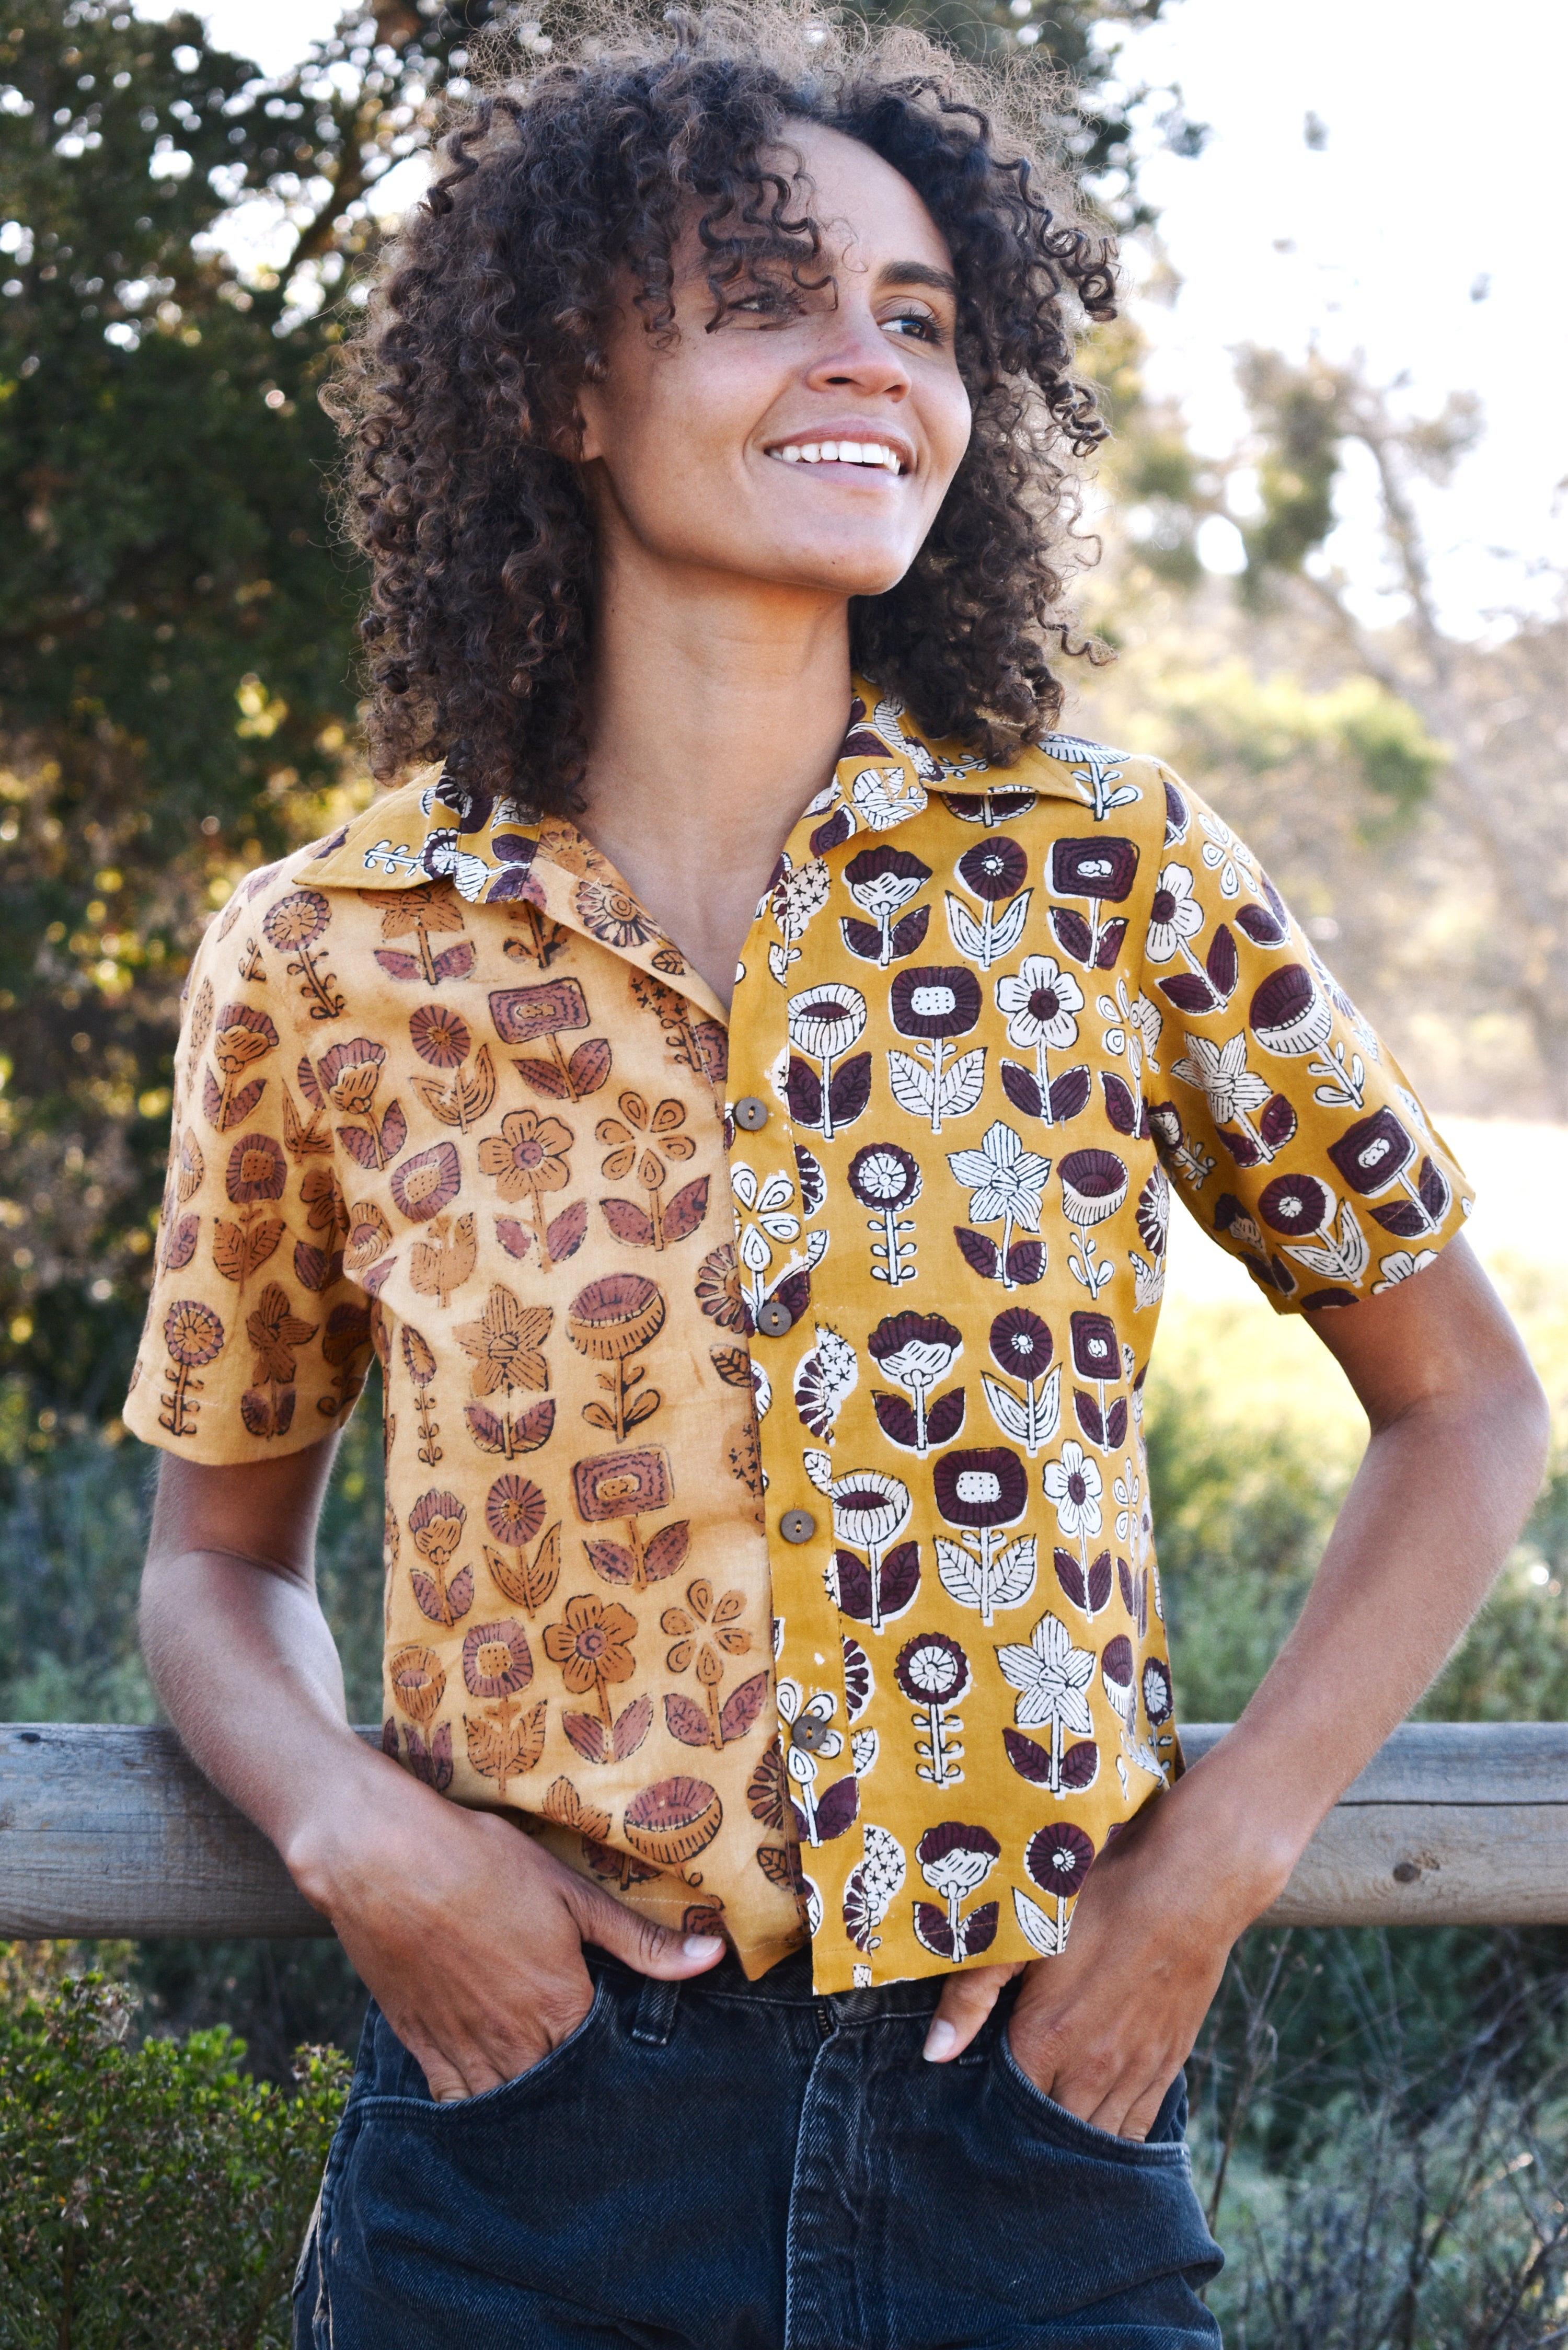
{"type": "Point", "coordinates": [435, 829]}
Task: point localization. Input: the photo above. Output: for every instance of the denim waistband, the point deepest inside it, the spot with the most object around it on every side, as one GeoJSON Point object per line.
{"type": "Point", "coordinates": [788, 1984]}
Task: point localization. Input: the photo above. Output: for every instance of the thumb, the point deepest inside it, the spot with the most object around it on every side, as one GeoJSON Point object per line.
{"type": "Point", "coordinates": [967, 2000]}
{"type": "Point", "coordinates": [651, 1949]}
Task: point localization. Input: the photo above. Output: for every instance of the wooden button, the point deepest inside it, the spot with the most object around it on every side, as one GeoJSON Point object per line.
{"type": "Point", "coordinates": [797, 1525]}
{"type": "Point", "coordinates": [774, 1318]}
{"type": "Point", "coordinates": [751, 1112]}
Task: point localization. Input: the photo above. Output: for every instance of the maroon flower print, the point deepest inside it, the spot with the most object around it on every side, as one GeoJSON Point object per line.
{"type": "Point", "coordinates": [882, 882]}
{"type": "Point", "coordinates": [935, 1000]}
{"type": "Point", "coordinates": [495, 1660]}
{"type": "Point", "coordinates": [980, 1488]}
{"type": "Point", "coordinates": [917, 1350]}
{"type": "Point", "coordinates": [1288, 1016]}
{"type": "Point", "coordinates": [1295, 1203]}
{"type": "Point", "coordinates": [440, 1036]}
{"type": "Point", "coordinates": [428, 1182]}
{"type": "Point", "coordinates": [955, 1860]}
{"type": "Point", "coordinates": [995, 868]}
{"type": "Point", "coordinates": [980, 1491]}
{"type": "Point", "coordinates": [933, 1673]}
{"type": "Point", "coordinates": [257, 1170]}
{"type": "Point", "coordinates": [1058, 1860]}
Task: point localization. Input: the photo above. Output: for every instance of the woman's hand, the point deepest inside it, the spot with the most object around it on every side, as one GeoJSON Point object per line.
{"type": "Point", "coordinates": [1104, 2028]}
{"type": "Point", "coordinates": [468, 1935]}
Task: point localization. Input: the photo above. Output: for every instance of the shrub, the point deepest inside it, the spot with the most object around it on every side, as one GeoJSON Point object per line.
{"type": "Point", "coordinates": [156, 2197]}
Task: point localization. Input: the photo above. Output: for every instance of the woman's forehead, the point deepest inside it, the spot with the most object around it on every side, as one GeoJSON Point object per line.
{"type": "Point", "coordinates": [868, 214]}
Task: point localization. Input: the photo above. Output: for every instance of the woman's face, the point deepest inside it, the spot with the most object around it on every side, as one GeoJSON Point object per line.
{"type": "Point", "coordinates": [726, 453]}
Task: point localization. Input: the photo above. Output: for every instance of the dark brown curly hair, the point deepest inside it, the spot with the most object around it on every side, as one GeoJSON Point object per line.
{"type": "Point", "coordinates": [460, 391]}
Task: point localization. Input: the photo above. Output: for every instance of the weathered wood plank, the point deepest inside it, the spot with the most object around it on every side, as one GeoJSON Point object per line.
{"type": "Point", "coordinates": [112, 1831]}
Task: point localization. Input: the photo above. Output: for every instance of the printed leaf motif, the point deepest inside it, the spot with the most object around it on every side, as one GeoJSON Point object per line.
{"type": "Point", "coordinates": [1100, 1582]}
{"type": "Point", "coordinates": [1433, 1186]}
{"type": "Point", "coordinates": [1190, 993]}
{"type": "Point", "coordinates": [181, 1245]}
{"type": "Point", "coordinates": [428, 1593]}
{"type": "Point", "coordinates": [502, 1751]}
{"type": "Point", "coordinates": [394, 1130]}
{"type": "Point", "coordinates": [1039, 1929]}
{"type": "Point", "coordinates": [945, 1417]}
{"type": "Point", "coordinates": [628, 1223]}
{"type": "Point", "coordinates": [1071, 933]}
{"type": "Point", "coordinates": [516, 1239]}
{"type": "Point", "coordinates": [913, 1086]}
{"type": "Point", "coordinates": [1222, 963]}
{"type": "Point", "coordinates": [910, 932]}
{"type": "Point", "coordinates": [452, 962]}
{"type": "Point", "coordinates": [686, 1720]}
{"type": "Point", "coordinates": [1028, 1757]}
{"type": "Point", "coordinates": [1069, 1094]}
{"type": "Point", "coordinates": [1277, 1122]}
{"type": "Point", "coordinates": [1022, 1087]}
{"type": "Point", "coordinates": [666, 1550]}
{"type": "Point", "coordinates": [686, 1209]}
{"type": "Point", "coordinates": [734, 1364]}
{"type": "Point", "coordinates": [239, 1249]}
{"type": "Point", "coordinates": [1081, 1766]}
{"type": "Point", "coordinates": [612, 1560]}
{"type": "Point", "coordinates": [545, 1078]}
{"type": "Point", "coordinates": [1110, 944]}
{"type": "Point", "coordinates": [563, 1804]}
{"type": "Point", "coordinates": [862, 939]}
{"type": "Point", "coordinates": [967, 934]}
{"type": "Point", "coordinates": [588, 1066]}
{"type": "Point", "coordinates": [1089, 1416]}
{"type": "Point", "coordinates": [523, 1433]}
{"type": "Point", "coordinates": [981, 1255]}
{"type": "Point", "coordinates": [398, 965]}
{"type": "Point", "coordinates": [1026, 1262]}
{"type": "Point", "coordinates": [802, 1088]}
{"type": "Point", "coordinates": [588, 1735]}
{"type": "Point", "coordinates": [360, 1145]}
{"type": "Point", "coordinates": [959, 1573]}
{"type": "Point", "coordinates": [850, 1089]}
{"type": "Point", "coordinates": [632, 1725]}
{"type": "Point", "coordinates": [565, 1232]}
{"type": "Point", "coordinates": [851, 1582]}
{"type": "Point", "coordinates": [742, 1708]}
{"type": "Point", "coordinates": [238, 1107]}
{"type": "Point", "coordinates": [1116, 1422]}
{"type": "Point", "coordinates": [1120, 1107]}
{"type": "Point", "coordinates": [896, 1418]}
{"type": "Point", "coordinates": [1403, 1218]}
{"type": "Point", "coordinates": [779, 1867]}
{"type": "Point", "coordinates": [837, 1810]}
{"type": "Point", "coordinates": [1006, 1408]}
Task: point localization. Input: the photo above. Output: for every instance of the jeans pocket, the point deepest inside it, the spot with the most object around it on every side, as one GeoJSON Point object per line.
{"type": "Point", "coordinates": [452, 2111]}
{"type": "Point", "coordinates": [1079, 2137]}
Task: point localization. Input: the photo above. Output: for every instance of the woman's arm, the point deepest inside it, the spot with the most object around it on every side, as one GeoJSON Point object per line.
{"type": "Point", "coordinates": [1459, 1440]}
{"type": "Point", "coordinates": [467, 1933]}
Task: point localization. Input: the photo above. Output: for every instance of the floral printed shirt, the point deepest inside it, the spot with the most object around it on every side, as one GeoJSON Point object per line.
{"type": "Point", "coordinates": [767, 1517]}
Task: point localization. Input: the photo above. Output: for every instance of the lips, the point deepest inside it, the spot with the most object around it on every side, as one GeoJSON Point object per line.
{"type": "Point", "coordinates": [852, 440]}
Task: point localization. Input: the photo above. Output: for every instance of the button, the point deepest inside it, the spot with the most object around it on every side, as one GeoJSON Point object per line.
{"type": "Point", "coordinates": [774, 1318]}
{"type": "Point", "coordinates": [751, 1112]}
{"type": "Point", "coordinates": [797, 1525]}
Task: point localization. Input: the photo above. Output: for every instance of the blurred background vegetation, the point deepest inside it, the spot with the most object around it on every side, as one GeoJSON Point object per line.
{"type": "Point", "coordinates": [1380, 2120]}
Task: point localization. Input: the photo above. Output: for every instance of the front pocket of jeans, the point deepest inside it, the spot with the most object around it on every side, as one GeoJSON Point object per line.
{"type": "Point", "coordinates": [1080, 2137]}
{"type": "Point", "coordinates": [452, 2110]}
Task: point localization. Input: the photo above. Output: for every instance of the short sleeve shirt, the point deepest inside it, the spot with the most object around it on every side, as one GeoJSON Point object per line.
{"type": "Point", "coordinates": [767, 1508]}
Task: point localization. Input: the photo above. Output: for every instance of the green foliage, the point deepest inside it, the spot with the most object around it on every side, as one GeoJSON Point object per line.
{"type": "Point", "coordinates": [1300, 415]}
{"type": "Point", "coordinates": [1227, 719]}
{"type": "Point", "coordinates": [154, 2194]}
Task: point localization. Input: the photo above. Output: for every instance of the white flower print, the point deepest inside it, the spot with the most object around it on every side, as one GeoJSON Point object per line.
{"type": "Point", "coordinates": [824, 1022]}
{"type": "Point", "coordinates": [807, 1742]}
{"type": "Point", "coordinates": [1072, 1488]}
{"type": "Point", "coordinates": [768, 1202]}
{"type": "Point", "coordinates": [1004, 1181]}
{"type": "Point", "coordinates": [885, 796]}
{"type": "Point", "coordinates": [1039, 1001]}
{"type": "Point", "coordinates": [1221, 1072]}
{"type": "Point", "coordinates": [824, 1380]}
{"type": "Point", "coordinates": [1224, 854]}
{"type": "Point", "coordinates": [1051, 1676]}
{"type": "Point", "coordinates": [1400, 1266]}
{"type": "Point", "coordinates": [1176, 915]}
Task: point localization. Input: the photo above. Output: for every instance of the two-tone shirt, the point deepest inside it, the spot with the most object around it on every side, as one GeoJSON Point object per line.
{"type": "Point", "coordinates": [767, 1507]}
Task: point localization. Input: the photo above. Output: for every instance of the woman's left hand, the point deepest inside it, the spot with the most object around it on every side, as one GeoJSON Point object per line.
{"type": "Point", "coordinates": [1104, 2028]}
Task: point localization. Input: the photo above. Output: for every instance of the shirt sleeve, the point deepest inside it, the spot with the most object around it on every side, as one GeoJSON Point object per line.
{"type": "Point", "coordinates": [1285, 1125]}
{"type": "Point", "coordinates": [256, 1341]}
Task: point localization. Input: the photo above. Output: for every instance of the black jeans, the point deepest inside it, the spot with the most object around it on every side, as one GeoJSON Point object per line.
{"type": "Point", "coordinates": [734, 2165]}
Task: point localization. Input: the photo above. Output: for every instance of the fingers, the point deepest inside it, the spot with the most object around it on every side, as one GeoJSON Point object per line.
{"type": "Point", "coordinates": [967, 2000]}
{"type": "Point", "coordinates": [651, 1949]}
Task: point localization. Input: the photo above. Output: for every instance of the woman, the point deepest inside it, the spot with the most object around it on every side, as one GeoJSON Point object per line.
{"type": "Point", "coordinates": [736, 1090]}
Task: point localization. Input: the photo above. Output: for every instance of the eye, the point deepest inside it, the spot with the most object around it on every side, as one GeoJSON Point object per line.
{"type": "Point", "coordinates": [916, 324]}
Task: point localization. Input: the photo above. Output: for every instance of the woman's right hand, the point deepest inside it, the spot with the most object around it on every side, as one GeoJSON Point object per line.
{"type": "Point", "coordinates": [468, 1934]}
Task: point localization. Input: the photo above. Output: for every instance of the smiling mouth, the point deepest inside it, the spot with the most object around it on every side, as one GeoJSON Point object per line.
{"type": "Point", "coordinates": [876, 455]}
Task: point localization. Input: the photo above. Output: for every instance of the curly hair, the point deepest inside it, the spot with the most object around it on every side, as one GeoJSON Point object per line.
{"type": "Point", "coordinates": [460, 391]}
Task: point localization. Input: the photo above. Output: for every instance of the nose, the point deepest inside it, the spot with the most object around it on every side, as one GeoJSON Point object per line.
{"type": "Point", "coordinates": [856, 354]}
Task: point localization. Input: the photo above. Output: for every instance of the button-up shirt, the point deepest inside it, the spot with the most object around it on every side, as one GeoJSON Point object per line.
{"type": "Point", "coordinates": [767, 1508]}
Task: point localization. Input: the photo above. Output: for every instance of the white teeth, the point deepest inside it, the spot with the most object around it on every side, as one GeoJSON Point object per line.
{"type": "Point", "coordinates": [840, 452]}
{"type": "Point", "coordinates": [811, 454]}
{"type": "Point", "coordinates": [790, 455]}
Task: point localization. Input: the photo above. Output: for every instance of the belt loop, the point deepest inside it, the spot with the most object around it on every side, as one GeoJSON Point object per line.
{"type": "Point", "coordinates": [655, 2012]}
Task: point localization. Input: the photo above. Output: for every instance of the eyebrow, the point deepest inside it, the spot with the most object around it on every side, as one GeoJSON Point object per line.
{"type": "Point", "coordinates": [916, 272]}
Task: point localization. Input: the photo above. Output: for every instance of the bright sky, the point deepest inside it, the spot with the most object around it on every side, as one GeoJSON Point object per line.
{"type": "Point", "coordinates": [1411, 233]}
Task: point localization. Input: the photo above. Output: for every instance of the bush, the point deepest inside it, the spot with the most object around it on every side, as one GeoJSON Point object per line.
{"type": "Point", "coordinates": [156, 2197]}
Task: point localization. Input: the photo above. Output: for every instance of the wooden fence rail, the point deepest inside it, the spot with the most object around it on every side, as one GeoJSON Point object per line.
{"type": "Point", "coordinates": [110, 1831]}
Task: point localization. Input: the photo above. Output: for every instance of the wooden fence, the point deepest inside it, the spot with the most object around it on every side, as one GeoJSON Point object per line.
{"type": "Point", "coordinates": [113, 1832]}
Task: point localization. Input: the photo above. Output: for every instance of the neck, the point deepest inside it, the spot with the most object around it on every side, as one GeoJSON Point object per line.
{"type": "Point", "coordinates": [718, 709]}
